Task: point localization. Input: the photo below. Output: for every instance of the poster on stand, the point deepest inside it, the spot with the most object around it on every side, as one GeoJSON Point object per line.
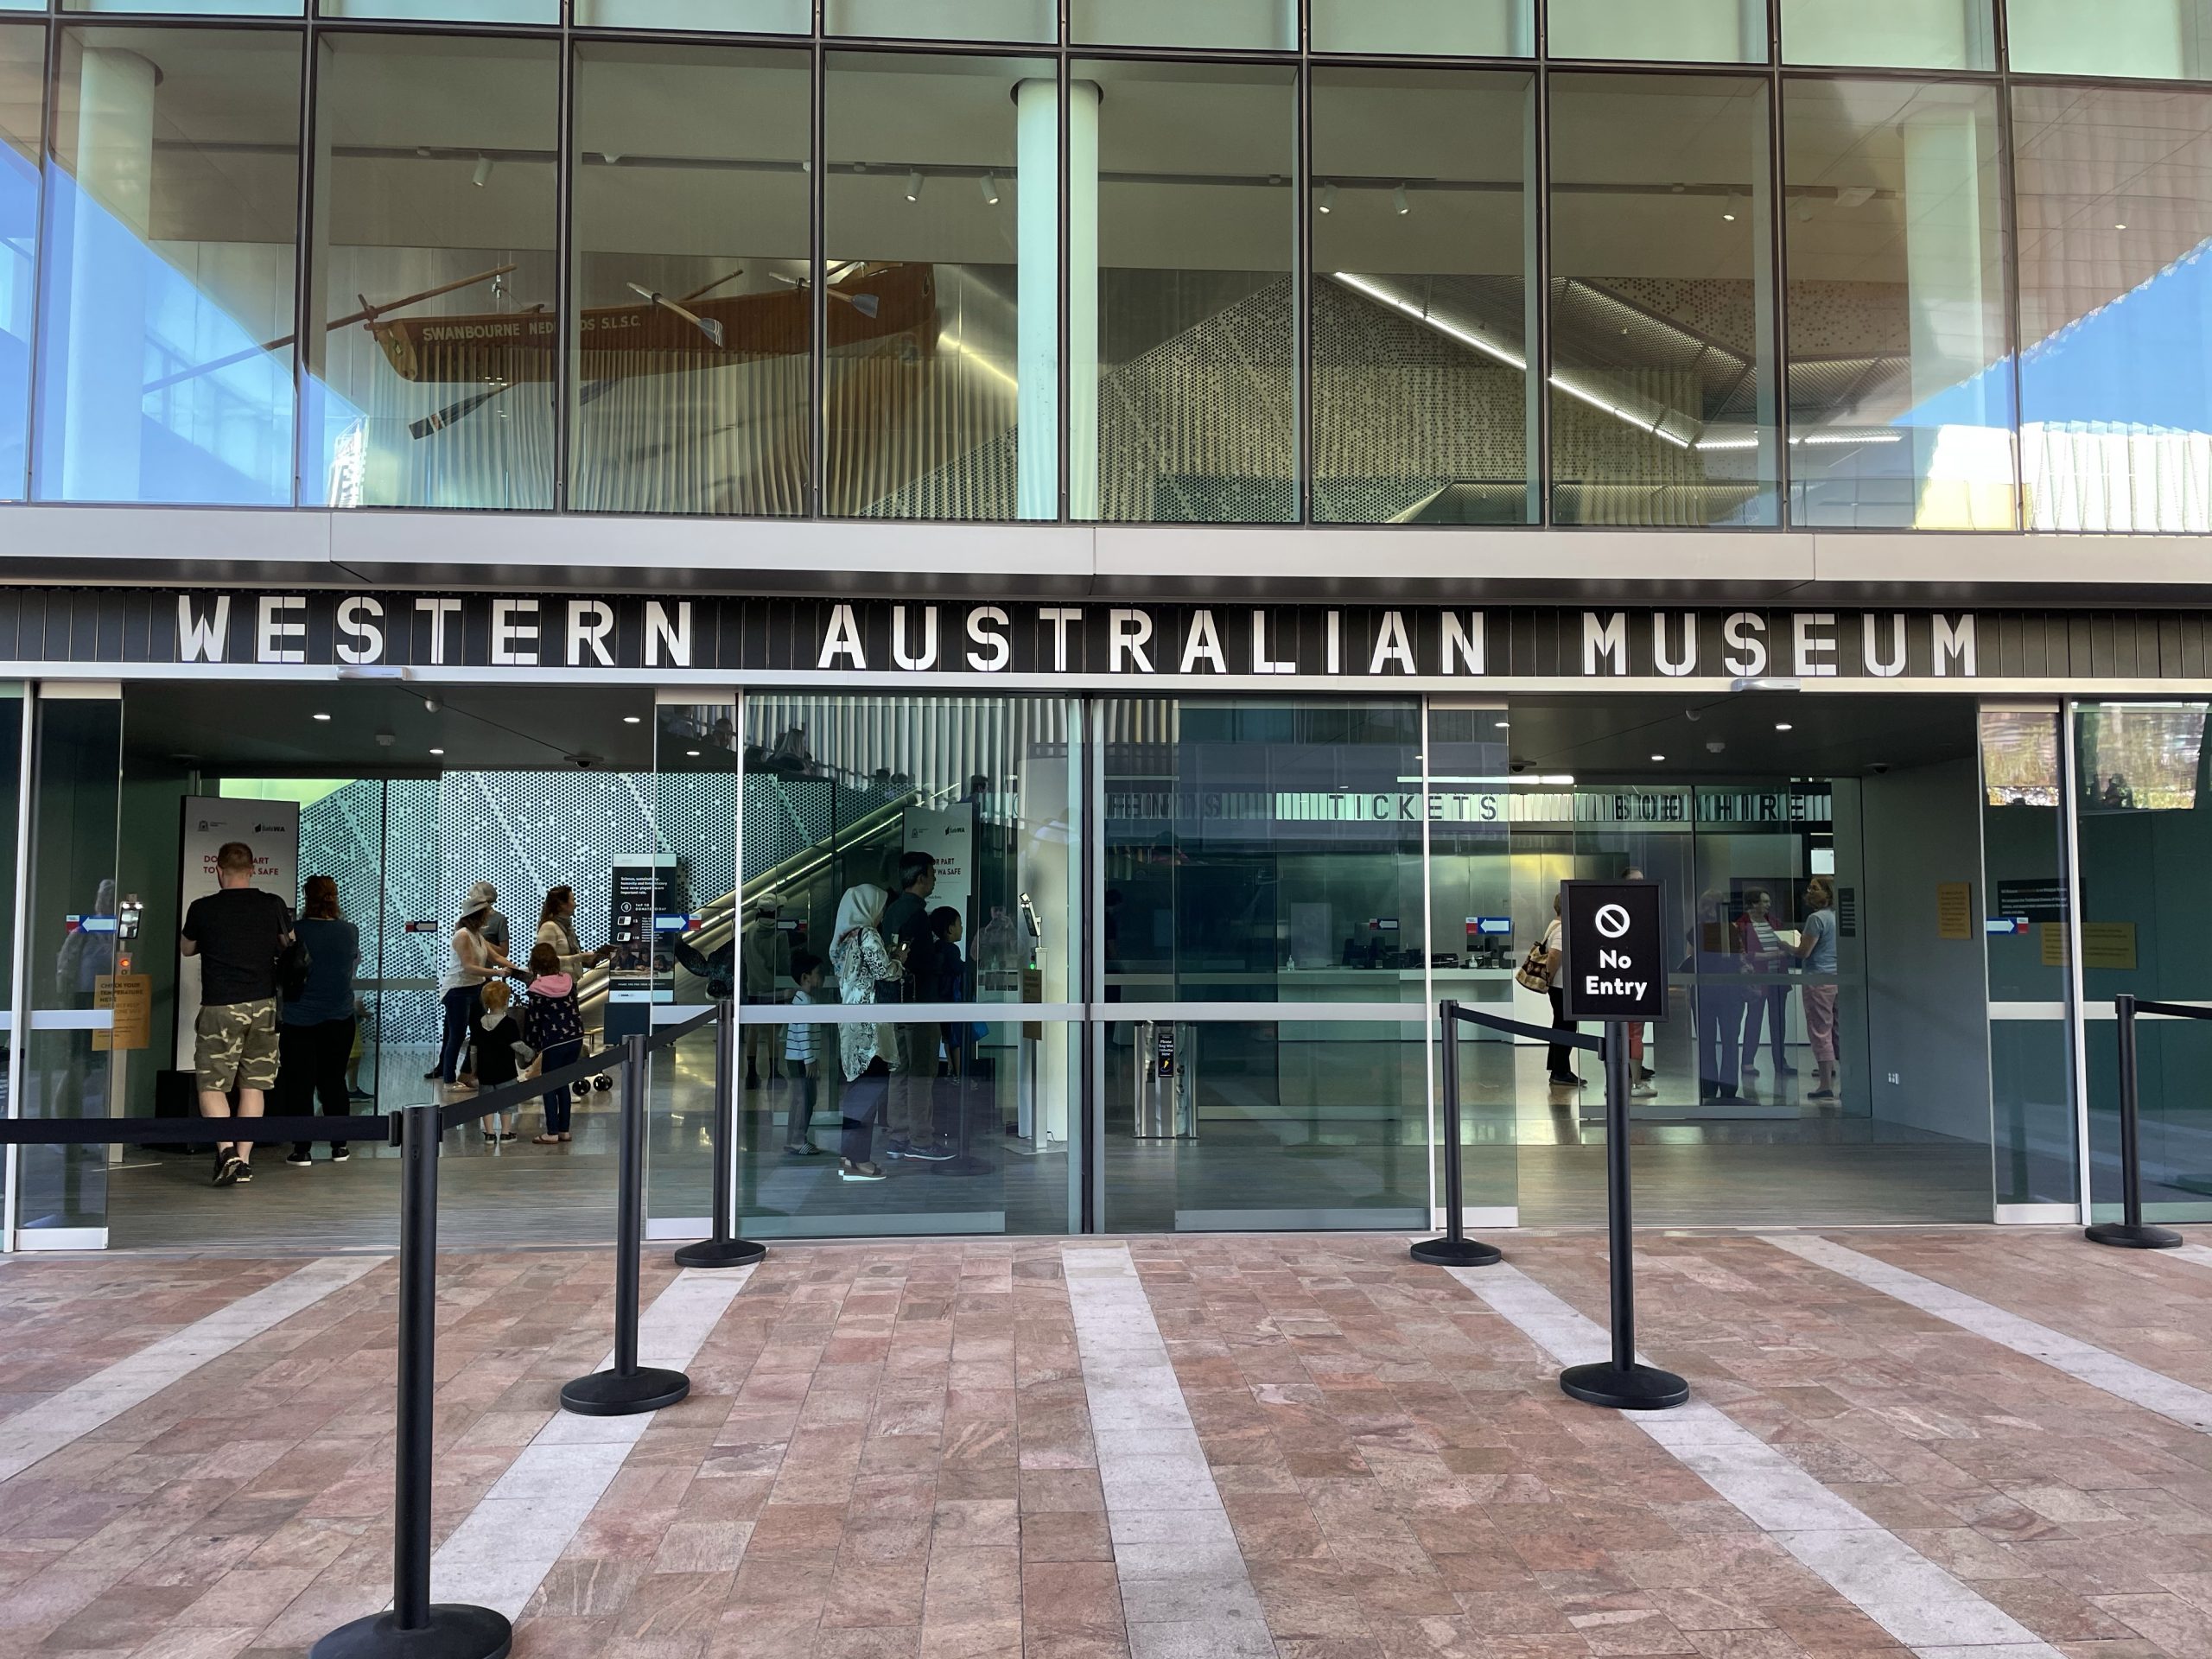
{"type": "Point", "coordinates": [272, 829]}
{"type": "Point", "coordinates": [947, 834]}
{"type": "Point", "coordinates": [639, 925]}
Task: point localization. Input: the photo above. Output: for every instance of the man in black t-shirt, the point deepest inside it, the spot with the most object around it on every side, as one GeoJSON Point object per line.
{"type": "Point", "coordinates": [237, 932]}
{"type": "Point", "coordinates": [911, 1108]}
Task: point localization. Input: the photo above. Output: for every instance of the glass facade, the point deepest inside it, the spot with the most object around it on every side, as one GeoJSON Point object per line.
{"type": "Point", "coordinates": [1236, 276]}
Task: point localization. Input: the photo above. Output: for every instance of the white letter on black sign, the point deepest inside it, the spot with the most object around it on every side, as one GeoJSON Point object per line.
{"type": "Point", "coordinates": [1955, 644]}
{"type": "Point", "coordinates": [900, 654]}
{"type": "Point", "coordinates": [1889, 667]}
{"type": "Point", "coordinates": [590, 620]}
{"type": "Point", "coordinates": [1391, 644]}
{"type": "Point", "coordinates": [514, 633]}
{"type": "Point", "coordinates": [1126, 632]}
{"type": "Point", "coordinates": [438, 610]}
{"type": "Point", "coordinates": [659, 634]}
{"type": "Point", "coordinates": [1201, 642]}
{"type": "Point", "coordinates": [1060, 619]}
{"type": "Point", "coordinates": [1811, 646]}
{"type": "Point", "coordinates": [1260, 663]}
{"type": "Point", "coordinates": [357, 619]}
{"type": "Point", "coordinates": [276, 630]}
{"type": "Point", "coordinates": [841, 639]}
{"type": "Point", "coordinates": [1608, 639]}
{"type": "Point", "coordinates": [1336, 636]}
{"type": "Point", "coordinates": [1686, 663]}
{"type": "Point", "coordinates": [202, 639]}
{"type": "Point", "coordinates": [1741, 632]}
{"type": "Point", "coordinates": [1464, 643]}
{"type": "Point", "coordinates": [1001, 652]}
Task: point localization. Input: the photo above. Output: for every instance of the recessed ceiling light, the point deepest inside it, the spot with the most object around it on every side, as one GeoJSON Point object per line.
{"type": "Point", "coordinates": [2119, 227]}
{"type": "Point", "coordinates": [437, 751]}
{"type": "Point", "coordinates": [1781, 726]}
{"type": "Point", "coordinates": [694, 753]}
{"type": "Point", "coordinates": [1658, 757]}
{"type": "Point", "coordinates": [322, 716]}
{"type": "Point", "coordinates": [1502, 724]}
{"type": "Point", "coordinates": [630, 719]}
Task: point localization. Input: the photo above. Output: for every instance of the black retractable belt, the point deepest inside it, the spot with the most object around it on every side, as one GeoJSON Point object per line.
{"type": "Point", "coordinates": [1455, 1249]}
{"type": "Point", "coordinates": [2129, 1233]}
{"type": "Point", "coordinates": [724, 1249]}
{"type": "Point", "coordinates": [417, 1628]}
{"type": "Point", "coordinates": [629, 1388]}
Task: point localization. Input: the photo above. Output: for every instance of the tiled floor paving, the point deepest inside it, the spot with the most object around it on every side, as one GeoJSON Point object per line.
{"type": "Point", "coordinates": [1144, 1448]}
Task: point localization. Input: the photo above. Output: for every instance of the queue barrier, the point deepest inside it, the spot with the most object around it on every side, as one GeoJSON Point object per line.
{"type": "Point", "coordinates": [415, 1627]}
{"type": "Point", "coordinates": [2129, 1233]}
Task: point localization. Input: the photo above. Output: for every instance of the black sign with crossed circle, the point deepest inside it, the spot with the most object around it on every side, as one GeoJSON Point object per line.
{"type": "Point", "coordinates": [1616, 966]}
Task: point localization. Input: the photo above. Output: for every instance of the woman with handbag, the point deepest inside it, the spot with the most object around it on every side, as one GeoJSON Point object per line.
{"type": "Point", "coordinates": [1559, 1061]}
{"type": "Point", "coordinates": [314, 1029]}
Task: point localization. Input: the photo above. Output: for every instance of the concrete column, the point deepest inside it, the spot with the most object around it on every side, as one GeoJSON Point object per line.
{"type": "Point", "coordinates": [111, 220]}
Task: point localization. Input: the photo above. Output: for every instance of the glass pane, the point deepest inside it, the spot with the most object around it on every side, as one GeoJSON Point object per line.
{"type": "Point", "coordinates": [1270, 25]}
{"type": "Point", "coordinates": [691, 383]}
{"type": "Point", "coordinates": [1472, 28]}
{"type": "Point", "coordinates": [1422, 331]}
{"type": "Point", "coordinates": [165, 364]}
{"type": "Point", "coordinates": [23, 72]}
{"type": "Point", "coordinates": [192, 8]}
{"type": "Point", "coordinates": [1663, 301]}
{"type": "Point", "coordinates": [1195, 398]}
{"type": "Point", "coordinates": [2143, 816]}
{"type": "Point", "coordinates": [2116, 367]}
{"type": "Point", "coordinates": [1680, 31]}
{"type": "Point", "coordinates": [1263, 851]}
{"type": "Point", "coordinates": [751, 17]}
{"type": "Point", "coordinates": [67, 1065]}
{"type": "Point", "coordinates": [943, 20]}
{"type": "Point", "coordinates": [2024, 879]}
{"type": "Point", "coordinates": [943, 245]}
{"type": "Point", "coordinates": [1265, 1125]}
{"type": "Point", "coordinates": [435, 210]}
{"type": "Point", "coordinates": [2165, 38]}
{"type": "Point", "coordinates": [448, 11]}
{"type": "Point", "coordinates": [1903, 417]}
{"type": "Point", "coordinates": [1899, 34]}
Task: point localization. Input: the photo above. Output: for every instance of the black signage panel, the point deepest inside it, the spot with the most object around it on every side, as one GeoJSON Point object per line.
{"type": "Point", "coordinates": [1616, 950]}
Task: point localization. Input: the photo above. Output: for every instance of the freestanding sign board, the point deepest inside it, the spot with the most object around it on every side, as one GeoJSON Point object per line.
{"type": "Point", "coordinates": [1616, 939]}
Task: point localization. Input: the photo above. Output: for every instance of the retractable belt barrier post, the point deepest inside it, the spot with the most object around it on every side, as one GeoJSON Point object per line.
{"type": "Point", "coordinates": [1455, 1249]}
{"type": "Point", "coordinates": [416, 1628]}
{"type": "Point", "coordinates": [2129, 1233]}
{"type": "Point", "coordinates": [630, 1387]}
{"type": "Point", "coordinates": [724, 1249]}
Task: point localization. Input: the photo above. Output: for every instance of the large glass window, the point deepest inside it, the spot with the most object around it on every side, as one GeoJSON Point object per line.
{"type": "Point", "coordinates": [448, 11]}
{"type": "Point", "coordinates": [1194, 392]}
{"type": "Point", "coordinates": [1270, 25]}
{"type": "Point", "coordinates": [942, 245]}
{"type": "Point", "coordinates": [165, 369]}
{"type": "Point", "coordinates": [1422, 329]}
{"type": "Point", "coordinates": [22, 73]}
{"type": "Point", "coordinates": [1900, 395]}
{"type": "Point", "coordinates": [1903, 34]}
{"type": "Point", "coordinates": [2115, 206]}
{"type": "Point", "coordinates": [1474, 28]}
{"type": "Point", "coordinates": [1663, 404]}
{"type": "Point", "coordinates": [692, 315]}
{"type": "Point", "coordinates": [1680, 31]}
{"type": "Point", "coordinates": [2166, 38]}
{"type": "Point", "coordinates": [752, 16]}
{"type": "Point", "coordinates": [943, 20]}
{"type": "Point", "coordinates": [434, 265]}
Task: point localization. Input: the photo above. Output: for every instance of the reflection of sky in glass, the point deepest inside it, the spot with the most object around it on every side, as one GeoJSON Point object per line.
{"type": "Point", "coordinates": [18, 242]}
{"type": "Point", "coordinates": [213, 406]}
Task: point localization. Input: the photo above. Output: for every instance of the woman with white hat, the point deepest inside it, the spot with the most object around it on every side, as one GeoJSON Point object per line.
{"type": "Point", "coordinates": [475, 960]}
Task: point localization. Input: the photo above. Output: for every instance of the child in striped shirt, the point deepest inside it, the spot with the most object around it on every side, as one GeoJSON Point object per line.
{"type": "Point", "coordinates": [803, 1058]}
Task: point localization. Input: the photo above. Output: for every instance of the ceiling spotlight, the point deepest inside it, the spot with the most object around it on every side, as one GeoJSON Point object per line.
{"type": "Point", "coordinates": [1504, 724]}
{"type": "Point", "coordinates": [914, 186]}
{"type": "Point", "coordinates": [630, 719]}
{"type": "Point", "coordinates": [1782, 726]}
{"type": "Point", "coordinates": [1658, 757]}
{"type": "Point", "coordinates": [1398, 201]}
{"type": "Point", "coordinates": [1728, 209]}
{"type": "Point", "coordinates": [1328, 201]}
{"type": "Point", "coordinates": [437, 751]}
{"type": "Point", "coordinates": [2119, 227]}
{"type": "Point", "coordinates": [990, 189]}
{"type": "Point", "coordinates": [694, 753]}
{"type": "Point", "coordinates": [322, 716]}
{"type": "Point", "coordinates": [483, 172]}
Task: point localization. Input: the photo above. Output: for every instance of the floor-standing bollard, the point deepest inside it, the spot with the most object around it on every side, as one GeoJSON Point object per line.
{"type": "Point", "coordinates": [414, 1628]}
{"type": "Point", "coordinates": [2130, 1233]}
{"type": "Point", "coordinates": [724, 1249]}
{"type": "Point", "coordinates": [1620, 1381]}
{"type": "Point", "coordinates": [630, 1387]}
{"type": "Point", "coordinates": [1455, 1249]}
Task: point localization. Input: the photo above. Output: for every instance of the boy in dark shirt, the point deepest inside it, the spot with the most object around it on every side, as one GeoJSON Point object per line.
{"type": "Point", "coordinates": [237, 932]}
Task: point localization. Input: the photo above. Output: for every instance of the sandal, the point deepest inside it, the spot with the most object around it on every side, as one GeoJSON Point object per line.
{"type": "Point", "coordinates": [544, 1140]}
{"type": "Point", "coordinates": [564, 1137]}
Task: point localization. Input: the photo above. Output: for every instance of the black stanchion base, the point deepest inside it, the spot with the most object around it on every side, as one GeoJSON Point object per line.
{"type": "Point", "coordinates": [2122, 1236]}
{"type": "Point", "coordinates": [1455, 1252]}
{"type": "Point", "coordinates": [1640, 1388]}
{"type": "Point", "coordinates": [610, 1394]}
{"type": "Point", "coordinates": [455, 1631]}
{"type": "Point", "coordinates": [719, 1253]}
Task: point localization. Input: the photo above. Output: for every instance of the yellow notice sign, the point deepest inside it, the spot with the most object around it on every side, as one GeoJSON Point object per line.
{"type": "Point", "coordinates": [2054, 944]}
{"type": "Point", "coordinates": [131, 996]}
{"type": "Point", "coordinates": [2104, 944]}
{"type": "Point", "coordinates": [1954, 909]}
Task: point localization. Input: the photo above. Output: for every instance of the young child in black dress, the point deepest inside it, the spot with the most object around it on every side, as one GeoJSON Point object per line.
{"type": "Point", "coordinates": [496, 1032]}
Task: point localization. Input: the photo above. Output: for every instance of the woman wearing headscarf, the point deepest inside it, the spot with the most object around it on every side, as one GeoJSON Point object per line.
{"type": "Point", "coordinates": [860, 961]}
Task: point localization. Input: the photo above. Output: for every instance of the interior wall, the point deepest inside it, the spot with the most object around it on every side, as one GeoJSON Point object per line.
{"type": "Point", "coordinates": [1927, 1019]}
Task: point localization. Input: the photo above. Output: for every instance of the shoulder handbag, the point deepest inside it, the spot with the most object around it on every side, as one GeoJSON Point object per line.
{"type": "Point", "coordinates": [292, 964]}
{"type": "Point", "coordinates": [1535, 973]}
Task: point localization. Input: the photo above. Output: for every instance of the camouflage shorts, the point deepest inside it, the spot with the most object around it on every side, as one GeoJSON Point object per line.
{"type": "Point", "coordinates": [235, 1043]}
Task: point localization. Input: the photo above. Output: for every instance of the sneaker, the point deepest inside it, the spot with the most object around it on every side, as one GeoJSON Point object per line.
{"type": "Point", "coordinates": [897, 1149]}
{"type": "Point", "coordinates": [227, 1169]}
{"type": "Point", "coordinates": [1785, 1070]}
{"type": "Point", "coordinates": [806, 1149]}
{"type": "Point", "coordinates": [859, 1173]}
{"type": "Point", "coordinates": [245, 1172]}
{"type": "Point", "coordinates": [1750, 1071]}
{"type": "Point", "coordinates": [302, 1158]}
{"type": "Point", "coordinates": [1642, 1091]}
{"type": "Point", "coordinates": [433, 1075]}
{"type": "Point", "coordinates": [937, 1154]}
{"type": "Point", "coordinates": [1569, 1081]}
{"type": "Point", "coordinates": [340, 1153]}
{"type": "Point", "coordinates": [1822, 1094]}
